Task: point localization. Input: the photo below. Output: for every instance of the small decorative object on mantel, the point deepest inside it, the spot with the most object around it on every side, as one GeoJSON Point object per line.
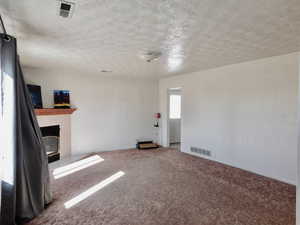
{"type": "Point", "coordinates": [62, 99]}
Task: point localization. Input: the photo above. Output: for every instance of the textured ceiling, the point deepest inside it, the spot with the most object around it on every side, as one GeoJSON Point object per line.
{"type": "Point", "coordinates": [111, 34]}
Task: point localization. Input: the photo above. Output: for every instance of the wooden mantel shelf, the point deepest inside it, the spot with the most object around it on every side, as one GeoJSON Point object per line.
{"type": "Point", "coordinates": [49, 111]}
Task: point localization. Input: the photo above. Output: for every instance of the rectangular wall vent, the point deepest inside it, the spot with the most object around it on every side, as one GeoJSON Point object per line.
{"type": "Point", "coordinates": [201, 151]}
{"type": "Point", "coordinates": [66, 9]}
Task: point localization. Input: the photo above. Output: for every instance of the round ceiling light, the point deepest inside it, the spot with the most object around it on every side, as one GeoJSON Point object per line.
{"type": "Point", "coordinates": [151, 56]}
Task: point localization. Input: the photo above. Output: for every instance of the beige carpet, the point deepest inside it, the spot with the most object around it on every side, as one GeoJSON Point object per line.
{"type": "Point", "coordinates": [167, 187]}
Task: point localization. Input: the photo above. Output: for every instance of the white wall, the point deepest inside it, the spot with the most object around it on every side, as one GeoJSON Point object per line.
{"type": "Point", "coordinates": [112, 112]}
{"type": "Point", "coordinates": [244, 113]}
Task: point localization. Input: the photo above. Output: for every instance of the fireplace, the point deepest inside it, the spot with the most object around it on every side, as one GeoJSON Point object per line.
{"type": "Point", "coordinates": [51, 139]}
{"type": "Point", "coordinates": [62, 119]}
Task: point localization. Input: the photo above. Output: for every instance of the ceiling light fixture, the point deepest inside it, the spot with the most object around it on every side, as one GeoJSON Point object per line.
{"type": "Point", "coordinates": [106, 71]}
{"type": "Point", "coordinates": [151, 56]}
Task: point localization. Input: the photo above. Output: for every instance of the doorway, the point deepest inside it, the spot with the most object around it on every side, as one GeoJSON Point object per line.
{"type": "Point", "coordinates": [174, 118]}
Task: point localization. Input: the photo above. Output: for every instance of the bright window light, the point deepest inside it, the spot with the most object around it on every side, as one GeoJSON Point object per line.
{"type": "Point", "coordinates": [76, 166]}
{"type": "Point", "coordinates": [7, 133]}
{"type": "Point", "coordinates": [175, 106]}
{"type": "Point", "coordinates": [93, 190]}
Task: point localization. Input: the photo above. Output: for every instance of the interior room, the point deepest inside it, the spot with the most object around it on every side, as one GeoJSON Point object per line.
{"type": "Point", "coordinates": [149, 112]}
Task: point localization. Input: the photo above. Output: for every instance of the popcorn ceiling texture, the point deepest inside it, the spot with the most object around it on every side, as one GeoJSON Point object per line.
{"type": "Point", "coordinates": [167, 187]}
{"type": "Point", "coordinates": [192, 35]}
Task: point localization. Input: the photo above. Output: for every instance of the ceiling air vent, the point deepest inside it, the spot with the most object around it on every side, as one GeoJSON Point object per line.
{"type": "Point", "coordinates": [66, 9]}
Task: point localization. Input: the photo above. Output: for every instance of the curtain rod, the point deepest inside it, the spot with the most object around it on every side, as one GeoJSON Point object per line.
{"type": "Point", "coordinates": [3, 29]}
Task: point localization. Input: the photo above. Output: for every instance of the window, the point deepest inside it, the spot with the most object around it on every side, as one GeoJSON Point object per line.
{"type": "Point", "coordinates": [175, 106]}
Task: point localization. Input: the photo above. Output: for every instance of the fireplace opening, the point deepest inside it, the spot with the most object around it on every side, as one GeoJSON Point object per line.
{"type": "Point", "coordinates": [51, 136]}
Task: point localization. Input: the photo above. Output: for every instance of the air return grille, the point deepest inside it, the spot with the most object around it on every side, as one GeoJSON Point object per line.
{"type": "Point", "coordinates": [201, 151]}
{"type": "Point", "coordinates": [66, 9]}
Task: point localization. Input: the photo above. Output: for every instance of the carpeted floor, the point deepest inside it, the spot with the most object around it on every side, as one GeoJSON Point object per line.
{"type": "Point", "coordinates": [167, 187]}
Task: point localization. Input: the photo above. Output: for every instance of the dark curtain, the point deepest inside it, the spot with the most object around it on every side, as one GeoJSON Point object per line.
{"type": "Point", "coordinates": [25, 183]}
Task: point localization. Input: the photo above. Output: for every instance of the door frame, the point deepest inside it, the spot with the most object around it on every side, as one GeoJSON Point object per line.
{"type": "Point", "coordinates": [169, 92]}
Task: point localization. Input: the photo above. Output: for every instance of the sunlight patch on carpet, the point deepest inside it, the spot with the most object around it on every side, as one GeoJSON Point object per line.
{"type": "Point", "coordinates": [93, 190]}
{"type": "Point", "coordinates": [76, 166]}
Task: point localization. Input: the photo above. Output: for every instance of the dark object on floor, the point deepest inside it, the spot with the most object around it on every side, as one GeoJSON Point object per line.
{"type": "Point", "coordinates": [36, 97]}
{"type": "Point", "coordinates": [52, 157]}
{"type": "Point", "coordinates": [146, 144]}
{"type": "Point", "coordinates": [25, 187]}
{"type": "Point", "coordinates": [168, 187]}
